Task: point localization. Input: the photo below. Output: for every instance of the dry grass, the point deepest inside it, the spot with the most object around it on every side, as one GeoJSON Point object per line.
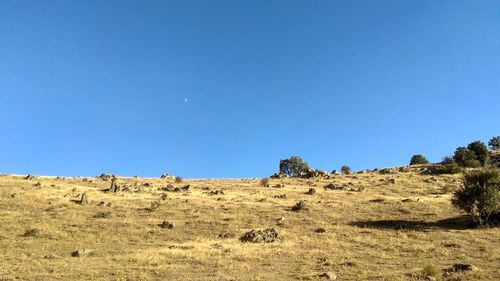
{"type": "Point", "coordinates": [370, 235]}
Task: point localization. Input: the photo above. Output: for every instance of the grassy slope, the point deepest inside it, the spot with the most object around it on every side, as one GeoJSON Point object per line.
{"type": "Point", "coordinates": [365, 240]}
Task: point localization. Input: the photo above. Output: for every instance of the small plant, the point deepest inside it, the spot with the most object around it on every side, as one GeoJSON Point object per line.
{"type": "Point", "coordinates": [480, 194]}
{"type": "Point", "coordinates": [418, 159]}
{"type": "Point", "coordinates": [178, 179]}
{"type": "Point", "coordinates": [299, 206]}
{"type": "Point", "coordinates": [346, 170]}
{"type": "Point", "coordinates": [431, 271]}
{"type": "Point", "coordinates": [264, 182]}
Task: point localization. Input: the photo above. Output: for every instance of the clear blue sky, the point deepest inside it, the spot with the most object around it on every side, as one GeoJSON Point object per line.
{"type": "Point", "coordinates": [228, 88]}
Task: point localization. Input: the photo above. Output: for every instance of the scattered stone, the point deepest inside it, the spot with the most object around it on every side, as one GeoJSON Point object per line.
{"type": "Point", "coordinates": [186, 187]}
{"type": "Point", "coordinates": [311, 191]}
{"type": "Point", "coordinates": [167, 176]}
{"type": "Point", "coordinates": [226, 235]}
{"type": "Point", "coordinates": [169, 188]}
{"type": "Point", "coordinates": [85, 199]}
{"type": "Point", "coordinates": [329, 276]}
{"type": "Point", "coordinates": [39, 184]}
{"type": "Point", "coordinates": [406, 200]}
{"type": "Point", "coordinates": [216, 192]}
{"type": "Point", "coordinates": [33, 232]}
{"type": "Point", "coordinates": [30, 177]}
{"type": "Point", "coordinates": [280, 196]}
{"type": "Point", "coordinates": [263, 200]}
{"type": "Point", "coordinates": [268, 235]}
{"type": "Point", "coordinates": [102, 214]}
{"type": "Point", "coordinates": [82, 253]}
{"type": "Point", "coordinates": [146, 184]}
{"type": "Point", "coordinates": [109, 204]}
{"type": "Point", "coordinates": [320, 230]}
{"type": "Point", "coordinates": [279, 185]}
{"type": "Point", "coordinates": [15, 195]}
{"type": "Point", "coordinates": [377, 200]}
{"type": "Point", "coordinates": [332, 186]}
{"type": "Point", "coordinates": [391, 181]}
{"type": "Point", "coordinates": [163, 196]}
{"type": "Point", "coordinates": [458, 267]}
{"type": "Point", "coordinates": [452, 245]}
{"type": "Point", "coordinates": [299, 206]}
{"type": "Point", "coordinates": [166, 225]}
{"type": "Point", "coordinates": [177, 189]}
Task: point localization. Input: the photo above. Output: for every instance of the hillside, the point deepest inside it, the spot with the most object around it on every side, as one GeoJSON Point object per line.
{"type": "Point", "coordinates": [375, 227]}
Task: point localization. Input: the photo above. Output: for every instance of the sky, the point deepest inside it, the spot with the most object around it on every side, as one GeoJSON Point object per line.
{"type": "Point", "coordinates": [208, 89]}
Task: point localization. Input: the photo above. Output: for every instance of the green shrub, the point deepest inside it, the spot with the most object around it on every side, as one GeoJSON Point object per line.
{"type": "Point", "coordinates": [480, 150]}
{"type": "Point", "coordinates": [464, 157]}
{"type": "Point", "coordinates": [418, 159]}
{"type": "Point", "coordinates": [293, 166]}
{"type": "Point", "coordinates": [494, 143]}
{"type": "Point", "coordinates": [450, 168]}
{"type": "Point", "coordinates": [346, 170]}
{"type": "Point", "coordinates": [480, 194]}
{"type": "Point", "coordinates": [447, 160]}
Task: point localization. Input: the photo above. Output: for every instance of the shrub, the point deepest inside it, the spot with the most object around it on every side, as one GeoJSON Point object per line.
{"type": "Point", "coordinates": [480, 194]}
{"type": "Point", "coordinates": [480, 150]}
{"type": "Point", "coordinates": [464, 157]}
{"type": "Point", "coordinates": [450, 168]}
{"type": "Point", "coordinates": [418, 159]}
{"type": "Point", "coordinates": [178, 179]}
{"type": "Point", "coordinates": [346, 170]}
{"type": "Point", "coordinates": [430, 271]}
{"type": "Point", "coordinates": [264, 182]}
{"type": "Point", "coordinates": [293, 166]}
{"type": "Point", "coordinates": [447, 160]}
{"type": "Point", "coordinates": [494, 143]}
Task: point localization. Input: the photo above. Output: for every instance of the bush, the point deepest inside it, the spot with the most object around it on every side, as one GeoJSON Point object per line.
{"type": "Point", "coordinates": [480, 150]}
{"type": "Point", "coordinates": [494, 143]}
{"type": "Point", "coordinates": [447, 160]}
{"type": "Point", "coordinates": [346, 170]}
{"type": "Point", "coordinates": [178, 179]}
{"type": "Point", "coordinates": [450, 168]}
{"type": "Point", "coordinates": [480, 194]}
{"type": "Point", "coordinates": [293, 166]}
{"type": "Point", "coordinates": [464, 157]}
{"type": "Point", "coordinates": [418, 159]}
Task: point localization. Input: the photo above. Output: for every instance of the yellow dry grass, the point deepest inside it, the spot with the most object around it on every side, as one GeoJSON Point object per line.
{"type": "Point", "coordinates": [370, 235]}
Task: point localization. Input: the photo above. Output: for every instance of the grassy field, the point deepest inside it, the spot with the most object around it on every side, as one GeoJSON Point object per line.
{"type": "Point", "coordinates": [371, 234]}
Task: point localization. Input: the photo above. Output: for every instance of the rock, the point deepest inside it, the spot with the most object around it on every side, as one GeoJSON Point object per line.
{"type": "Point", "coordinates": [299, 206]}
{"type": "Point", "coordinates": [268, 235]}
{"type": "Point", "coordinates": [311, 191]}
{"type": "Point", "coordinates": [15, 195]}
{"type": "Point", "coordinates": [406, 200]}
{"type": "Point", "coordinates": [186, 187]}
{"type": "Point", "coordinates": [320, 230]}
{"type": "Point", "coordinates": [226, 235]}
{"type": "Point", "coordinates": [166, 225]}
{"type": "Point", "coordinates": [329, 276]}
{"type": "Point", "coordinates": [391, 181]}
{"type": "Point", "coordinates": [169, 188]}
{"type": "Point", "coordinates": [82, 253]}
{"type": "Point", "coordinates": [167, 176]}
{"type": "Point", "coordinates": [457, 267]}
{"type": "Point", "coordinates": [33, 232]}
{"type": "Point", "coordinates": [279, 185]}
{"type": "Point", "coordinates": [102, 214]}
{"type": "Point", "coordinates": [280, 196]}
{"type": "Point", "coordinates": [216, 192]}
{"type": "Point", "coordinates": [39, 184]}
{"type": "Point", "coordinates": [85, 199]}
{"type": "Point", "coordinates": [30, 177]}
{"type": "Point", "coordinates": [332, 186]}
{"type": "Point", "coordinates": [177, 189]}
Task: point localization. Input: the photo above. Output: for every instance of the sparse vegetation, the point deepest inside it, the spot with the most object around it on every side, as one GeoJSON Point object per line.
{"type": "Point", "coordinates": [346, 170]}
{"type": "Point", "coordinates": [418, 159]}
{"type": "Point", "coordinates": [466, 158]}
{"type": "Point", "coordinates": [480, 194]}
{"type": "Point", "coordinates": [264, 182]}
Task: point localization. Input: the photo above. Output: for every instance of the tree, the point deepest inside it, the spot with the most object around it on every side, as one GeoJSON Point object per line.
{"type": "Point", "coordinates": [480, 150]}
{"type": "Point", "coordinates": [447, 160]}
{"type": "Point", "coordinates": [465, 157]}
{"type": "Point", "coordinates": [418, 159]}
{"type": "Point", "coordinates": [346, 170]}
{"type": "Point", "coordinates": [494, 143]}
{"type": "Point", "coordinates": [480, 194]}
{"type": "Point", "coordinates": [293, 166]}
